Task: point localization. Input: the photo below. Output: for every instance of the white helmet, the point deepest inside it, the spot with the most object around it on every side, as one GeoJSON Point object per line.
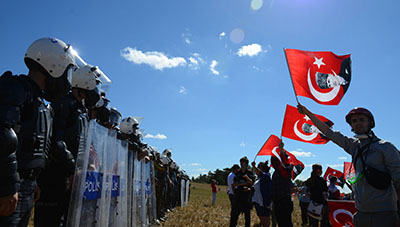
{"type": "Point", "coordinates": [173, 165]}
{"type": "Point", "coordinates": [164, 160]}
{"type": "Point", "coordinates": [52, 54]}
{"type": "Point", "coordinates": [167, 152]}
{"type": "Point", "coordinates": [85, 77]}
{"type": "Point", "coordinates": [127, 125]}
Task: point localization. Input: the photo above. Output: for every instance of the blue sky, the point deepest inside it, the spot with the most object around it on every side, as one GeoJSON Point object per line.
{"type": "Point", "coordinates": [209, 77]}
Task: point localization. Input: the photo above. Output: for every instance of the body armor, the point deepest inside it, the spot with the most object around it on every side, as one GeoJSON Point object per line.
{"type": "Point", "coordinates": [22, 114]}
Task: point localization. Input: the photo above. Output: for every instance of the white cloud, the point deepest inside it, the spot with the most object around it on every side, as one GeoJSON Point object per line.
{"type": "Point", "coordinates": [260, 70]}
{"type": "Point", "coordinates": [214, 63]}
{"type": "Point", "coordinates": [242, 144]}
{"type": "Point", "coordinates": [222, 35]}
{"type": "Point", "coordinates": [342, 158]}
{"type": "Point", "coordinates": [155, 59]}
{"type": "Point", "coordinates": [158, 136]}
{"type": "Point", "coordinates": [250, 50]}
{"type": "Point", "coordinates": [201, 170]}
{"type": "Point", "coordinates": [194, 164]}
{"type": "Point", "coordinates": [187, 40]}
{"type": "Point", "coordinates": [194, 63]}
{"type": "Point", "coordinates": [301, 154]}
{"type": "Point", "coordinates": [308, 165]}
{"type": "Point", "coordinates": [182, 90]}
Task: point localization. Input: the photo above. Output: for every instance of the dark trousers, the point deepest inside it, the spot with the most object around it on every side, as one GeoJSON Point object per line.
{"type": "Point", "coordinates": [240, 204]}
{"type": "Point", "coordinates": [283, 211]}
{"type": "Point", "coordinates": [53, 203]}
{"type": "Point", "coordinates": [325, 218]}
{"type": "Point", "coordinates": [304, 216]}
{"type": "Point", "coordinates": [20, 217]}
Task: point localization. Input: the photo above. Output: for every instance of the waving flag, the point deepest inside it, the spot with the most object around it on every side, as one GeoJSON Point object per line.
{"type": "Point", "coordinates": [298, 126]}
{"type": "Point", "coordinates": [271, 147]}
{"type": "Point", "coordinates": [333, 172]}
{"type": "Point", "coordinates": [341, 213]}
{"type": "Point", "coordinates": [322, 76]}
{"type": "Point", "coordinates": [348, 170]}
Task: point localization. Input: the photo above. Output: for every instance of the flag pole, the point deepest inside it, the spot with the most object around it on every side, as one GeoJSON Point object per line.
{"type": "Point", "coordinates": [260, 149]}
{"type": "Point", "coordinates": [283, 121]}
{"type": "Point", "coordinates": [290, 74]}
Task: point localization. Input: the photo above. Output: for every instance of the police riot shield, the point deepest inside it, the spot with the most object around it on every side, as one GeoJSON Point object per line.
{"type": "Point", "coordinates": [119, 201]}
{"type": "Point", "coordinates": [137, 175]}
{"type": "Point", "coordinates": [109, 161]}
{"type": "Point", "coordinates": [187, 192]}
{"type": "Point", "coordinates": [153, 201]}
{"type": "Point", "coordinates": [130, 189]}
{"type": "Point", "coordinates": [183, 184]}
{"type": "Point", "coordinates": [149, 190]}
{"type": "Point", "coordinates": [86, 189]}
{"type": "Point", "coordinates": [143, 183]}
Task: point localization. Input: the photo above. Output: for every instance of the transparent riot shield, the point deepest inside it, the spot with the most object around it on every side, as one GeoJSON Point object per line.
{"type": "Point", "coordinates": [187, 192]}
{"type": "Point", "coordinates": [137, 176]}
{"type": "Point", "coordinates": [87, 184]}
{"type": "Point", "coordinates": [143, 183]}
{"type": "Point", "coordinates": [183, 192]}
{"type": "Point", "coordinates": [119, 202]}
{"type": "Point", "coordinates": [130, 189]}
{"type": "Point", "coordinates": [153, 201]}
{"type": "Point", "coordinates": [110, 159]}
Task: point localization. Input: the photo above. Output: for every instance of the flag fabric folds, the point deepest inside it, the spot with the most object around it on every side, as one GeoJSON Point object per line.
{"type": "Point", "coordinates": [348, 170]}
{"type": "Point", "coordinates": [333, 172]}
{"type": "Point", "coordinates": [271, 147]}
{"type": "Point", "coordinates": [299, 127]}
{"type": "Point", "coordinates": [341, 212]}
{"type": "Point", "coordinates": [320, 75]}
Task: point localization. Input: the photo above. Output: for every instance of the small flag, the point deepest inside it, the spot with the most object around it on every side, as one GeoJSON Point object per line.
{"type": "Point", "coordinates": [299, 127]}
{"type": "Point", "coordinates": [341, 213]}
{"type": "Point", "coordinates": [333, 172]}
{"type": "Point", "coordinates": [322, 76]}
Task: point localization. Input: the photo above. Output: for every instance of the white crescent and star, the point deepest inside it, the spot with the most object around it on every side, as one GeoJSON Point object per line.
{"type": "Point", "coordinates": [276, 153]}
{"type": "Point", "coordinates": [303, 136]}
{"type": "Point", "coordinates": [321, 96]}
{"type": "Point", "coordinates": [341, 211]}
{"type": "Point", "coordinates": [318, 62]}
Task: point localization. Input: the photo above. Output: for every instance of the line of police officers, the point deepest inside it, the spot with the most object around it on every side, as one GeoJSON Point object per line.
{"type": "Point", "coordinates": [39, 143]}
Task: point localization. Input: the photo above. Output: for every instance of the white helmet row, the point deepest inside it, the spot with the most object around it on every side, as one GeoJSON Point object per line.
{"type": "Point", "coordinates": [129, 125]}
{"type": "Point", "coordinates": [165, 160]}
{"type": "Point", "coordinates": [52, 54]}
{"type": "Point", "coordinates": [85, 77]}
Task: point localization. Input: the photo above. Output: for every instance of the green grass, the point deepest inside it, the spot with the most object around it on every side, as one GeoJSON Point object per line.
{"type": "Point", "coordinates": [199, 211]}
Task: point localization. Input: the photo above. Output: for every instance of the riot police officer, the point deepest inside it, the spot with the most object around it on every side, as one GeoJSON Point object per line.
{"type": "Point", "coordinates": [70, 122]}
{"type": "Point", "coordinates": [26, 124]}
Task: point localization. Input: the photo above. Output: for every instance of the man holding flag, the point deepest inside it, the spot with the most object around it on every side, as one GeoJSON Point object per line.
{"type": "Point", "coordinates": [377, 166]}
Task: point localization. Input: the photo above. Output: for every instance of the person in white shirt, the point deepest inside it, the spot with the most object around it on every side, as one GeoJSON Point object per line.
{"type": "Point", "coordinates": [231, 191]}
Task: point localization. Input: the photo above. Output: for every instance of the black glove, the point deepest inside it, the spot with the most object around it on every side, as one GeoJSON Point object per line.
{"type": "Point", "coordinates": [63, 156]}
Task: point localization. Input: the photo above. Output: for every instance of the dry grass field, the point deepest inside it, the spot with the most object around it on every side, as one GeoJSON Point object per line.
{"type": "Point", "coordinates": [199, 211]}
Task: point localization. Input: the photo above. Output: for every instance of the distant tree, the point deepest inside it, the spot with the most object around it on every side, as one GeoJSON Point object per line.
{"type": "Point", "coordinates": [218, 175]}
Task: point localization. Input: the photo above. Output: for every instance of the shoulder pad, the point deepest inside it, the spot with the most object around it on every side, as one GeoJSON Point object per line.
{"type": "Point", "coordinates": [12, 90]}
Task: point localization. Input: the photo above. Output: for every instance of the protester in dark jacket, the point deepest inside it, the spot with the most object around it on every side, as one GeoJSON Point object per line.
{"type": "Point", "coordinates": [281, 188]}
{"type": "Point", "coordinates": [318, 193]}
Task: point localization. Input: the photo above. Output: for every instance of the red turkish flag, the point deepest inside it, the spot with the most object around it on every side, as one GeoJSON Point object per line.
{"type": "Point", "coordinates": [320, 75]}
{"type": "Point", "coordinates": [341, 212]}
{"type": "Point", "coordinates": [333, 172]}
{"type": "Point", "coordinates": [271, 147]}
{"type": "Point", "coordinates": [298, 126]}
{"type": "Point", "coordinates": [348, 170]}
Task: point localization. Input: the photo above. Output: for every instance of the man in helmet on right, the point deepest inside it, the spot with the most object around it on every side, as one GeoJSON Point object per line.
{"type": "Point", "coordinates": [377, 164]}
{"type": "Point", "coordinates": [26, 124]}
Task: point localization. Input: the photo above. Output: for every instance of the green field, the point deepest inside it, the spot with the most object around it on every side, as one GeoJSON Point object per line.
{"type": "Point", "coordinates": [199, 211]}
